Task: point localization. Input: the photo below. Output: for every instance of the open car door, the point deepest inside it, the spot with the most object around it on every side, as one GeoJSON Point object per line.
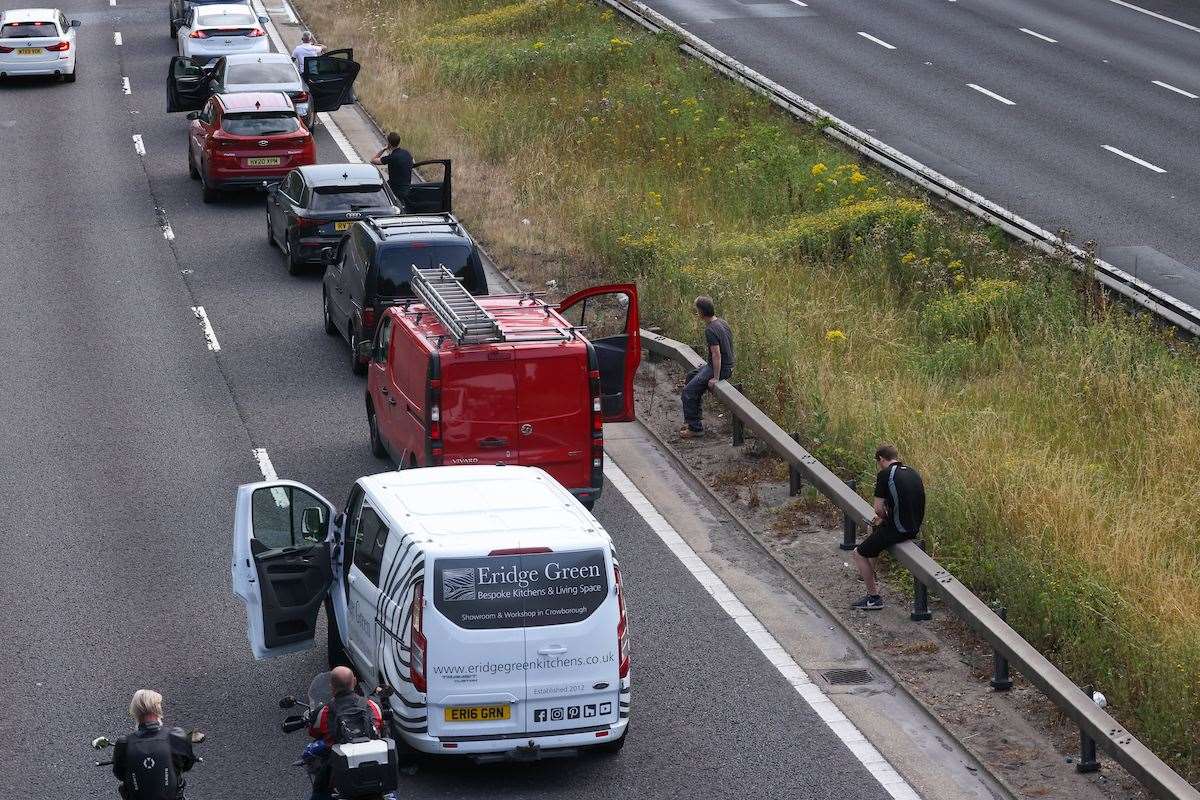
{"type": "Point", "coordinates": [282, 568]}
{"type": "Point", "coordinates": [187, 85]}
{"type": "Point", "coordinates": [610, 314]}
{"type": "Point", "coordinates": [430, 196]}
{"type": "Point", "coordinates": [330, 78]}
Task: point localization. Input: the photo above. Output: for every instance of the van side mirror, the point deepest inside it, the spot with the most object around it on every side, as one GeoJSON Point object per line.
{"type": "Point", "coordinates": [366, 350]}
{"type": "Point", "coordinates": [75, 23]}
{"type": "Point", "coordinates": [312, 524]}
{"type": "Point", "coordinates": [193, 115]}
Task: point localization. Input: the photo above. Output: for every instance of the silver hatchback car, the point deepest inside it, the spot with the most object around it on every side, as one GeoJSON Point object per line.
{"type": "Point", "coordinates": [263, 72]}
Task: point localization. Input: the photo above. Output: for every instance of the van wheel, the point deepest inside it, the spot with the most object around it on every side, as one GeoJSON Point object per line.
{"type": "Point", "coordinates": [330, 328]}
{"type": "Point", "coordinates": [335, 650]}
{"type": "Point", "coordinates": [377, 447]}
{"type": "Point", "coordinates": [356, 364]}
{"type": "Point", "coordinates": [612, 748]}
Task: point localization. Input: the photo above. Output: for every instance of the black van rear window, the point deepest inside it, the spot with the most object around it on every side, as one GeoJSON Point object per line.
{"type": "Point", "coordinates": [520, 591]}
{"type": "Point", "coordinates": [397, 261]}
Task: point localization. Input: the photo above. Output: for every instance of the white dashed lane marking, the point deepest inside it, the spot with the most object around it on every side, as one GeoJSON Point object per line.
{"type": "Point", "coordinates": [125, 87]}
{"type": "Point", "coordinates": [117, 38]}
{"type": "Point", "coordinates": [1041, 36]}
{"type": "Point", "coordinates": [210, 336]}
{"type": "Point", "coordinates": [877, 41]}
{"type": "Point", "coordinates": [1175, 89]}
{"type": "Point", "coordinates": [991, 94]}
{"type": "Point", "coordinates": [1133, 158]}
{"type": "Point", "coordinates": [139, 145]}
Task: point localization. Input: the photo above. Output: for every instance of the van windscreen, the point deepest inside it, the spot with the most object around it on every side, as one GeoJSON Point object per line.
{"type": "Point", "coordinates": [530, 590]}
{"type": "Point", "coordinates": [396, 264]}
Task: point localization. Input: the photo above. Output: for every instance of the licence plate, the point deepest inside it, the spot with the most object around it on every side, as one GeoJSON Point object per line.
{"type": "Point", "coordinates": [28, 51]}
{"type": "Point", "coordinates": [270, 161]}
{"type": "Point", "coordinates": [479, 713]}
{"type": "Point", "coordinates": [342, 226]}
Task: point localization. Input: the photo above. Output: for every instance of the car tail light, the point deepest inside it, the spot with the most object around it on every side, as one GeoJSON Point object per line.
{"type": "Point", "coordinates": [299, 97]}
{"type": "Point", "coordinates": [418, 648]}
{"type": "Point", "coordinates": [622, 626]}
{"type": "Point", "coordinates": [4, 49]}
{"type": "Point", "coordinates": [435, 421]}
{"type": "Point", "coordinates": [197, 35]}
{"type": "Point", "coordinates": [368, 319]}
{"type": "Point", "coordinates": [256, 32]}
{"type": "Point", "coordinates": [304, 223]}
{"type": "Point", "coordinates": [59, 48]}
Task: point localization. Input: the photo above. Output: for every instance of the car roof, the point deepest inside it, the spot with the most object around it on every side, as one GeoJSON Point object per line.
{"type": "Point", "coordinates": [256, 101]}
{"type": "Point", "coordinates": [30, 15]}
{"type": "Point", "coordinates": [225, 8]}
{"type": "Point", "coordinates": [464, 510]}
{"type": "Point", "coordinates": [341, 175]}
{"type": "Point", "coordinates": [255, 58]}
{"type": "Point", "coordinates": [443, 227]}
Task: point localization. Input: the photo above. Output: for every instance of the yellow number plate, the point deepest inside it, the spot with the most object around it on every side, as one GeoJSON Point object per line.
{"type": "Point", "coordinates": [342, 226]}
{"type": "Point", "coordinates": [479, 713]}
{"type": "Point", "coordinates": [28, 51]}
{"type": "Point", "coordinates": [263, 162]}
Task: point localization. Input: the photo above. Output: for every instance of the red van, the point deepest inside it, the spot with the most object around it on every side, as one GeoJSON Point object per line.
{"type": "Point", "coordinates": [503, 379]}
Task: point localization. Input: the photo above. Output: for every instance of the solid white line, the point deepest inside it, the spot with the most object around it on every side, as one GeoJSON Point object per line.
{"type": "Point", "coordinates": [210, 336]}
{"type": "Point", "coordinates": [264, 464]}
{"type": "Point", "coordinates": [1132, 158]}
{"type": "Point", "coordinates": [291, 15]}
{"type": "Point", "coordinates": [112, 2]}
{"type": "Point", "coordinates": [1156, 15]}
{"type": "Point", "coordinates": [879, 42]}
{"type": "Point", "coordinates": [117, 38]}
{"type": "Point", "coordinates": [125, 86]}
{"type": "Point", "coordinates": [843, 728]}
{"type": "Point", "coordinates": [139, 145]}
{"type": "Point", "coordinates": [1041, 36]}
{"type": "Point", "coordinates": [802, 5]}
{"type": "Point", "coordinates": [1175, 89]}
{"type": "Point", "coordinates": [992, 95]}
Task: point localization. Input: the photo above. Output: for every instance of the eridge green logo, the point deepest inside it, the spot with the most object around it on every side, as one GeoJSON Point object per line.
{"type": "Point", "coordinates": [464, 583]}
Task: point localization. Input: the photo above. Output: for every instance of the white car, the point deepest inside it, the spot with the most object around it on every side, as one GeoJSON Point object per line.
{"type": "Point", "coordinates": [487, 597]}
{"type": "Point", "coordinates": [37, 41]}
{"type": "Point", "coordinates": [209, 32]}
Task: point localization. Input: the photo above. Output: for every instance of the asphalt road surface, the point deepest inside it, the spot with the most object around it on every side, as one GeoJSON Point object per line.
{"type": "Point", "coordinates": [124, 436]}
{"type": "Point", "coordinates": [1072, 113]}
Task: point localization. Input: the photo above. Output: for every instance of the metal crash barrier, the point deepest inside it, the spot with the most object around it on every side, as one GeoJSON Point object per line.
{"type": "Point", "coordinates": [1096, 727]}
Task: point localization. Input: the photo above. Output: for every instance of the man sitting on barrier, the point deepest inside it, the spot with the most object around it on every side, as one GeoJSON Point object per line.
{"type": "Point", "coordinates": [899, 511]}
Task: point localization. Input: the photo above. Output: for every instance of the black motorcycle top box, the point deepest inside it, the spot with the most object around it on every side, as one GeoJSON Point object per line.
{"type": "Point", "coordinates": [361, 768]}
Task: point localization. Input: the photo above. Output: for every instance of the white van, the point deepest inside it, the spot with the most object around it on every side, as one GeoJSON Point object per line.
{"type": "Point", "coordinates": [486, 596]}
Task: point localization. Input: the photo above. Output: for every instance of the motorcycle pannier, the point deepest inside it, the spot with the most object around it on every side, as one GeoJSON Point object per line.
{"type": "Point", "coordinates": [364, 767]}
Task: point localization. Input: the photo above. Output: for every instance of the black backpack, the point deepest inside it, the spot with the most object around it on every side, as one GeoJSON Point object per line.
{"type": "Point", "coordinates": [150, 772]}
{"type": "Point", "coordinates": [351, 719]}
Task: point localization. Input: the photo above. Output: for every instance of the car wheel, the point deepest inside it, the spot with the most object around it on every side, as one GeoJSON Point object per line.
{"type": "Point", "coordinates": [174, 30]}
{"type": "Point", "coordinates": [356, 364]}
{"type": "Point", "coordinates": [70, 77]}
{"type": "Point", "coordinates": [211, 195]}
{"type": "Point", "coordinates": [612, 748]}
{"type": "Point", "coordinates": [193, 173]}
{"type": "Point", "coordinates": [330, 328]}
{"type": "Point", "coordinates": [294, 265]}
{"type": "Point", "coordinates": [377, 447]}
{"type": "Point", "coordinates": [270, 231]}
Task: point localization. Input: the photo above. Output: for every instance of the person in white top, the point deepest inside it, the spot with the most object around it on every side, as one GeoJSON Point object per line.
{"type": "Point", "coordinates": [308, 47]}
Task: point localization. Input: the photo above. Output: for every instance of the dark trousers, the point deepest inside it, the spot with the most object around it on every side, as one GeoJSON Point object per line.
{"type": "Point", "coordinates": [693, 391]}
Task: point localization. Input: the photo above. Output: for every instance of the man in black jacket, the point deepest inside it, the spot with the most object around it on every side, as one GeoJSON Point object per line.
{"type": "Point", "coordinates": [899, 512]}
{"type": "Point", "coordinates": [150, 762]}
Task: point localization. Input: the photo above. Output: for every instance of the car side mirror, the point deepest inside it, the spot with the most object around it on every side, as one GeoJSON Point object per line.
{"type": "Point", "coordinates": [193, 115]}
{"type": "Point", "coordinates": [75, 23]}
{"type": "Point", "coordinates": [287, 702]}
{"type": "Point", "coordinates": [312, 524]}
{"type": "Point", "coordinates": [366, 350]}
{"type": "Point", "coordinates": [264, 19]}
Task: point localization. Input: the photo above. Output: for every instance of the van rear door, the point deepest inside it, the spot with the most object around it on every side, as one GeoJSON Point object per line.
{"type": "Point", "coordinates": [479, 406]}
{"type": "Point", "coordinates": [572, 670]}
{"type": "Point", "coordinates": [475, 655]}
{"type": "Point", "coordinates": [554, 411]}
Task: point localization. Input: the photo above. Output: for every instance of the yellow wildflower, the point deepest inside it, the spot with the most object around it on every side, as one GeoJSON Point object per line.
{"type": "Point", "coordinates": [835, 336]}
{"type": "Point", "coordinates": [908, 258]}
{"type": "Point", "coordinates": [857, 177]}
{"type": "Point", "coordinates": [538, 45]}
{"type": "Point", "coordinates": [674, 112]}
{"type": "Point", "coordinates": [955, 264]}
{"type": "Point", "coordinates": [817, 169]}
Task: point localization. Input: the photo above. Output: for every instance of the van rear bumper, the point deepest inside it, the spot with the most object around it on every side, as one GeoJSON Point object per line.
{"type": "Point", "coordinates": [518, 747]}
{"type": "Point", "coordinates": [588, 495]}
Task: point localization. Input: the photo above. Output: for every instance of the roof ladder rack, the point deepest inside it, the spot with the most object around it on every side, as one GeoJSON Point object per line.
{"type": "Point", "coordinates": [465, 320]}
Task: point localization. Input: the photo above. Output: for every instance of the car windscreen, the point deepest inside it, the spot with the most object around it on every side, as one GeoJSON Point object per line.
{"type": "Point", "coordinates": [260, 123]}
{"type": "Point", "coordinates": [348, 198]}
{"type": "Point", "coordinates": [397, 261]}
{"type": "Point", "coordinates": [268, 72]}
{"type": "Point", "coordinates": [528, 590]}
{"type": "Point", "coordinates": [224, 20]}
{"type": "Point", "coordinates": [28, 30]}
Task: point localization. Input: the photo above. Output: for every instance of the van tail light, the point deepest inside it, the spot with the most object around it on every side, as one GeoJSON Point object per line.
{"type": "Point", "coordinates": [368, 319]}
{"type": "Point", "coordinates": [299, 97]}
{"type": "Point", "coordinates": [597, 415]}
{"type": "Point", "coordinates": [435, 421]}
{"type": "Point", "coordinates": [59, 48]}
{"type": "Point", "coordinates": [197, 35]}
{"type": "Point", "coordinates": [622, 626]}
{"type": "Point", "coordinates": [418, 648]}
{"type": "Point", "coordinates": [256, 32]}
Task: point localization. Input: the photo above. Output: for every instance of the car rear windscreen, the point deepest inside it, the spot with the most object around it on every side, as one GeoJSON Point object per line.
{"type": "Point", "coordinates": [28, 30]}
{"type": "Point", "coordinates": [529, 590]}
{"type": "Point", "coordinates": [348, 198]}
{"type": "Point", "coordinates": [397, 261]}
{"type": "Point", "coordinates": [218, 20]}
{"type": "Point", "coordinates": [277, 72]}
{"type": "Point", "coordinates": [260, 123]}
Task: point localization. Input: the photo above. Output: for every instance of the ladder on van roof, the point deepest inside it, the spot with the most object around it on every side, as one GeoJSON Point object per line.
{"type": "Point", "coordinates": [443, 294]}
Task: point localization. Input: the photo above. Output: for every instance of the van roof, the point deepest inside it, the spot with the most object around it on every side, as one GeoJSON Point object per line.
{"type": "Point", "coordinates": [472, 510]}
{"type": "Point", "coordinates": [516, 313]}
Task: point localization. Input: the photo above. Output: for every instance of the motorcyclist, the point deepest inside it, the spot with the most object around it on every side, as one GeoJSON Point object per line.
{"type": "Point", "coordinates": [150, 762]}
{"type": "Point", "coordinates": [345, 717]}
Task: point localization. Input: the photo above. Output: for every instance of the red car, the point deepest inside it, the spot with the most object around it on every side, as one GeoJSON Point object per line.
{"type": "Point", "coordinates": [246, 140]}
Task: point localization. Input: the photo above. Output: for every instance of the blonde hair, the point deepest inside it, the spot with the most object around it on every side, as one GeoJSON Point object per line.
{"type": "Point", "coordinates": [145, 703]}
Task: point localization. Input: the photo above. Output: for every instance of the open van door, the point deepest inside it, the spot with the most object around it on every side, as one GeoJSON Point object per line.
{"type": "Point", "coordinates": [282, 568]}
{"type": "Point", "coordinates": [432, 196]}
{"type": "Point", "coordinates": [610, 314]}
{"type": "Point", "coordinates": [330, 78]}
{"type": "Point", "coordinates": [187, 85]}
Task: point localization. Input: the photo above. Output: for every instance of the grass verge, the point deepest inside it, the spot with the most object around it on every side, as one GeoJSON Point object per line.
{"type": "Point", "coordinates": [1056, 432]}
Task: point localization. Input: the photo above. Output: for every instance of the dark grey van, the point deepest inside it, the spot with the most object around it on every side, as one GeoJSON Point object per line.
{"type": "Point", "coordinates": [370, 269]}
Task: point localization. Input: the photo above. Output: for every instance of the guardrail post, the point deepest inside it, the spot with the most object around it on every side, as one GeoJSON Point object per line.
{"type": "Point", "coordinates": [849, 526]}
{"type": "Point", "coordinates": [1087, 745]}
{"type": "Point", "coordinates": [920, 611]}
{"type": "Point", "coordinates": [795, 479]}
{"type": "Point", "coordinates": [739, 430]}
{"type": "Point", "coordinates": [1001, 680]}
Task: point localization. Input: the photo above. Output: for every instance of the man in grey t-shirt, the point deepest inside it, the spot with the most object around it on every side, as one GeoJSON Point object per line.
{"type": "Point", "coordinates": [718, 341]}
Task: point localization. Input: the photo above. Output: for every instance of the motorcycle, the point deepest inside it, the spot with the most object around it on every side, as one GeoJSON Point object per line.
{"type": "Point", "coordinates": [358, 770]}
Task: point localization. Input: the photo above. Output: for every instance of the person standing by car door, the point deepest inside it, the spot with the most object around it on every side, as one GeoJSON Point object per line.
{"type": "Point", "coordinates": [399, 163]}
{"type": "Point", "coordinates": [307, 48]}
